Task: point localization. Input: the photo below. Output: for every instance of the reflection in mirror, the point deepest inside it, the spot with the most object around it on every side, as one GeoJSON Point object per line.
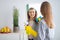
{"type": "Point", "coordinates": [35, 6]}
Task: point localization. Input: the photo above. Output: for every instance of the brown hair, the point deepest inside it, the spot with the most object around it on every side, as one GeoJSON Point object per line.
{"type": "Point", "coordinates": [29, 16]}
{"type": "Point", "coordinates": [47, 13]}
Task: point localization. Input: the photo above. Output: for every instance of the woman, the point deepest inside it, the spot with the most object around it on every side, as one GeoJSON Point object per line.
{"type": "Point", "coordinates": [46, 24]}
{"type": "Point", "coordinates": [32, 14]}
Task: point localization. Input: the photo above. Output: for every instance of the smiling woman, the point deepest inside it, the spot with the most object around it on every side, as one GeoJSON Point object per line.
{"type": "Point", "coordinates": [36, 6]}
{"type": "Point", "coordinates": [31, 15]}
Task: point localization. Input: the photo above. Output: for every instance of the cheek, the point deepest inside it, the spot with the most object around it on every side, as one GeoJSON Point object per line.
{"type": "Point", "coordinates": [29, 14]}
{"type": "Point", "coordinates": [33, 15]}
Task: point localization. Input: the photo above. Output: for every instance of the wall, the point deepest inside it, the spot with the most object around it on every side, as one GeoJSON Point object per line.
{"type": "Point", "coordinates": [6, 14]}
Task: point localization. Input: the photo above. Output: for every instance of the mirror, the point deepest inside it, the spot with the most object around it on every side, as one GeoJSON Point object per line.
{"type": "Point", "coordinates": [35, 6]}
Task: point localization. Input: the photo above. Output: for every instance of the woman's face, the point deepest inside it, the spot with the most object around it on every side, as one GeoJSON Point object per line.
{"type": "Point", "coordinates": [32, 13]}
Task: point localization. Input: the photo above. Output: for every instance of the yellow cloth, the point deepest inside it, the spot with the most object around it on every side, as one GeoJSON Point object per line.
{"type": "Point", "coordinates": [39, 19]}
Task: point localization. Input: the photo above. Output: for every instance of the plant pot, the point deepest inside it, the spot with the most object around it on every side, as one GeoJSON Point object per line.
{"type": "Point", "coordinates": [16, 29]}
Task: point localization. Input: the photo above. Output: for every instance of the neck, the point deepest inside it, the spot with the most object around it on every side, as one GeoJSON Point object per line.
{"type": "Point", "coordinates": [31, 19]}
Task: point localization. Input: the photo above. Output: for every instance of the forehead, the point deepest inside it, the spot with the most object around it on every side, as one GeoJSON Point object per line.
{"type": "Point", "coordinates": [32, 10]}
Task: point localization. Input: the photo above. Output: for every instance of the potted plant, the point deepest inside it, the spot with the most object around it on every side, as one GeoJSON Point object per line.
{"type": "Point", "coordinates": [15, 20]}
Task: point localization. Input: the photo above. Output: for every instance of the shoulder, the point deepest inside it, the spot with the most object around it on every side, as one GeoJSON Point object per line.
{"type": "Point", "coordinates": [42, 21]}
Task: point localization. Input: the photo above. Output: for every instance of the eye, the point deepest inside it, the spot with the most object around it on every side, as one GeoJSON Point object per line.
{"type": "Point", "coordinates": [33, 11]}
{"type": "Point", "coordinates": [30, 12]}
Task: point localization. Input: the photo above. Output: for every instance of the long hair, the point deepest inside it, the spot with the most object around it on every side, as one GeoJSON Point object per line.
{"type": "Point", "coordinates": [29, 16]}
{"type": "Point", "coordinates": [47, 13]}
